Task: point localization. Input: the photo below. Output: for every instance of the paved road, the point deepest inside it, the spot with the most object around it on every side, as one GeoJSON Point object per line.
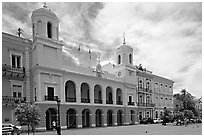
{"type": "Point", "coordinates": [155, 129]}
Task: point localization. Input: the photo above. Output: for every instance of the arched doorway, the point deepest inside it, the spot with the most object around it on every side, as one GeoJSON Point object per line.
{"type": "Point", "coordinates": [85, 93]}
{"type": "Point", "coordinates": [119, 96]}
{"type": "Point", "coordinates": [109, 118]}
{"type": "Point", "coordinates": [71, 118]}
{"type": "Point", "coordinates": [70, 91]}
{"type": "Point", "coordinates": [98, 115]}
{"type": "Point", "coordinates": [119, 117]}
{"type": "Point", "coordinates": [86, 118]}
{"type": "Point", "coordinates": [50, 116]}
{"type": "Point", "coordinates": [109, 96]}
{"type": "Point", "coordinates": [132, 117]}
{"type": "Point", "coordinates": [97, 94]}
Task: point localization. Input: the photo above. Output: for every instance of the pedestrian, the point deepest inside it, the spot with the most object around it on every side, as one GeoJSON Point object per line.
{"type": "Point", "coordinates": [54, 125]}
{"type": "Point", "coordinates": [185, 121]}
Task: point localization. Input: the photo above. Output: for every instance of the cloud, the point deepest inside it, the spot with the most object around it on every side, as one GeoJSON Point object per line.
{"type": "Point", "coordinates": [166, 37]}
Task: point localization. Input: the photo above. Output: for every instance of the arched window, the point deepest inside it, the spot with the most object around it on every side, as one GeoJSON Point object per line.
{"type": "Point", "coordinates": [119, 59]}
{"type": "Point", "coordinates": [130, 58]}
{"type": "Point", "coordinates": [49, 30]}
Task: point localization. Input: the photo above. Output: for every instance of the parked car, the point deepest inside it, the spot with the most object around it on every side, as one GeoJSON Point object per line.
{"type": "Point", "coordinates": [147, 121]}
{"type": "Point", "coordinates": [158, 120]}
{"type": "Point", "coordinates": [179, 122]}
{"type": "Point", "coordinates": [10, 129]}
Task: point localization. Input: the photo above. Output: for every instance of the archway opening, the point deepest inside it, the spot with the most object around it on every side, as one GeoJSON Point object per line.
{"type": "Point", "coordinates": [132, 117]}
{"type": "Point", "coordinates": [71, 118]}
{"type": "Point", "coordinates": [98, 115]}
{"type": "Point", "coordinates": [86, 118]}
{"type": "Point", "coordinates": [97, 94]}
{"type": "Point", "coordinates": [70, 91]}
{"type": "Point", "coordinates": [85, 93]}
{"type": "Point", "coordinates": [119, 118]}
{"type": "Point", "coordinates": [50, 116]}
{"type": "Point", "coordinates": [109, 118]}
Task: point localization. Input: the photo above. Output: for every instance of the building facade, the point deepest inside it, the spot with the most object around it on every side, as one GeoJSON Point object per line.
{"type": "Point", "coordinates": [15, 74]}
{"type": "Point", "coordinates": [109, 95]}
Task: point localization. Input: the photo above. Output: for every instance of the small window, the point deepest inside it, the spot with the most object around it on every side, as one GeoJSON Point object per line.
{"type": "Point", "coordinates": [130, 58]}
{"type": "Point", "coordinates": [119, 59]}
{"type": "Point", "coordinates": [49, 30]}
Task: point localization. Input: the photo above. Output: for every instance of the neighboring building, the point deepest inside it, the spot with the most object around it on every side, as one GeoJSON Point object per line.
{"type": "Point", "coordinates": [198, 106]}
{"type": "Point", "coordinates": [119, 94]}
{"type": "Point", "coordinates": [15, 74]}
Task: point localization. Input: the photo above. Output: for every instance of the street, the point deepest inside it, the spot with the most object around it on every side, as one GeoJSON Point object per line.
{"type": "Point", "coordinates": [153, 129]}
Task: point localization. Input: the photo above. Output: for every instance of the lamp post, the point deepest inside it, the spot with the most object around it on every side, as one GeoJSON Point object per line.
{"type": "Point", "coordinates": [58, 123]}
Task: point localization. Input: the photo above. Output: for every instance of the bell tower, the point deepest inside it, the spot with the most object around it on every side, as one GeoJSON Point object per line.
{"type": "Point", "coordinates": [45, 23]}
{"type": "Point", "coordinates": [124, 54]}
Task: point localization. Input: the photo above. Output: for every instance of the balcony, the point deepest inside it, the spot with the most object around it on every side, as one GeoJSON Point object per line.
{"type": "Point", "coordinates": [12, 100]}
{"type": "Point", "coordinates": [119, 103]}
{"type": "Point", "coordinates": [109, 102]}
{"type": "Point", "coordinates": [51, 98]}
{"type": "Point", "coordinates": [69, 99]}
{"type": "Point", "coordinates": [85, 100]}
{"type": "Point", "coordinates": [131, 103]}
{"type": "Point", "coordinates": [144, 89]}
{"type": "Point", "coordinates": [98, 101]}
{"type": "Point", "coordinates": [9, 70]}
{"type": "Point", "coordinates": [145, 104]}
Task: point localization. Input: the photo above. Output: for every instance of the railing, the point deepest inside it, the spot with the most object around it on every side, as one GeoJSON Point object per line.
{"type": "Point", "coordinates": [51, 98]}
{"type": "Point", "coordinates": [99, 101]}
{"type": "Point", "coordinates": [109, 102]}
{"type": "Point", "coordinates": [144, 89]}
{"type": "Point", "coordinates": [131, 103]}
{"type": "Point", "coordinates": [85, 100]}
{"type": "Point", "coordinates": [10, 68]}
{"type": "Point", "coordinates": [145, 104]}
{"type": "Point", "coordinates": [69, 99]}
{"type": "Point", "coordinates": [119, 103]}
{"type": "Point", "coordinates": [12, 100]}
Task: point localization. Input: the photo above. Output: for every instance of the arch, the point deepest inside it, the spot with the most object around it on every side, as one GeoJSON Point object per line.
{"type": "Point", "coordinates": [132, 116]}
{"type": "Point", "coordinates": [86, 118]}
{"type": "Point", "coordinates": [109, 95]}
{"type": "Point", "coordinates": [119, 96]}
{"type": "Point", "coordinates": [97, 94]}
{"type": "Point", "coordinates": [71, 118]}
{"type": "Point", "coordinates": [120, 117]}
{"type": "Point", "coordinates": [70, 91]}
{"type": "Point", "coordinates": [49, 29]}
{"type": "Point", "coordinates": [50, 116]}
{"type": "Point", "coordinates": [85, 93]}
{"type": "Point", "coordinates": [119, 59]}
{"type": "Point", "coordinates": [130, 58]}
{"type": "Point", "coordinates": [110, 117]}
{"type": "Point", "coordinates": [39, 24]}
{"type": "Point", "coordinates": [98, 118]}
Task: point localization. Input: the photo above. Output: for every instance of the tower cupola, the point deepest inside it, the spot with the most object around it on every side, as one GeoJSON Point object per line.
{"type": "Point", "coordinates": [45, 23]}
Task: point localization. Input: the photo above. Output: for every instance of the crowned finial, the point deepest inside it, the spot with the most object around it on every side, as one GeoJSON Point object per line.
{"type": "Point", "coordinates": [124, 38]}
{"type": "Point", "coordinates": [45, 5]}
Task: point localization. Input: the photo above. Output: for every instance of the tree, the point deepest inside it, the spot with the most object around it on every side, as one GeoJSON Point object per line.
{"type": "Point", "coordinates": [27, 114]}
{"type": "Point", "coordinates": [166, 117]}
{"type": "Point", "coordinates": [188, 114]}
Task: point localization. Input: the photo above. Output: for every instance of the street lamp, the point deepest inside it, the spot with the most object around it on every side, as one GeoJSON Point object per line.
{"type": "Point", "coordinates": [58, 123]}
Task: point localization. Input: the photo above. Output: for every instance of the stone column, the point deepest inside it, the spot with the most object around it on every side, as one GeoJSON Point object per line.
{"type": "Point", "coordinates": [91, 91]}
{"type": "Point", "coordinates": [40, 94]}
{"type": "Point", "coordinates": [114, 97]}
{"type": "Point", "coordinates": [115, 119]}
{"type": "Point", "coordinates": [62, 94]}
{"type": "Point", "coordinates": [79, 120]}
{"type": "Point", "coordinates": [78, 94]}
{"type": "Point", "coordinates": [104, 96]}
{"type": "Point", "coordinates": [104, 119]}
{"type": "Point", "coordinates": [92, 118]}
{"type": "Point", "coordinates": [27, 72]}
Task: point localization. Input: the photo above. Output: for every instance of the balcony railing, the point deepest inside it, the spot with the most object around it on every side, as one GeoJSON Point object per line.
{"type": "Point", "coordinates": [12, 100]}
{"type": "Point", "coordinates": [131, 103]}
{"type": "Point", "coordinates": [51, 98]}
{"type": "Point", "coordinates": [9, 68]}
{"type": "Point", "coordinates": [99, 101]}
{"type": "Point", "coordinates": [145, 104]}
{"type": "Point", "coordinates": [69, 99]}
{"type": "Point", "coordinates": [144, 89]}
{"type": "Point", "coordinates": [109, 102]}
{"type": "Point", "coordinates": [85, 100]}
{"type": "Point", "coordinates": [119, 102]}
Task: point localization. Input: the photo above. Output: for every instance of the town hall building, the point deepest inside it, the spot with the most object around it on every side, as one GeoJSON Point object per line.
{"type": "Point", "coordinates": [110, 95]}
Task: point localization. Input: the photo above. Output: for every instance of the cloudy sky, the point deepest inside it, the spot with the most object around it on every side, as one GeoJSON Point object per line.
{"type": "Point", "coordinates": [166, 37]}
